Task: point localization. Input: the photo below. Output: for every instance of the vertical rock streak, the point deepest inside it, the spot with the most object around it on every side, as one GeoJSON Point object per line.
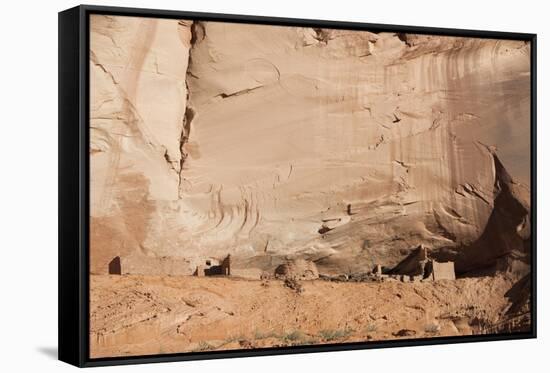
{"type": "Point", "coordinates": [189, 113]}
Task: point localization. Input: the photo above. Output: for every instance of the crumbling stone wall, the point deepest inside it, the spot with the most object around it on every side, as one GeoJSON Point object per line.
{"type": "Point", "coordinates": [419, 266]}
{"type": "Point", "coordinates": [150, 266]}
{"type": "Point", "coordinates": [443, 271]}
{"type": "Point", "coordinates": [226, 266]}
{"type": "Point", "coordinates": [214, 267]}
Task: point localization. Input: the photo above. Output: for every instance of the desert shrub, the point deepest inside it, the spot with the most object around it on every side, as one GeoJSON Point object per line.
{"type": "Point", "coordinates": [371, 328]}
{"type": "Point", "coordinates": [293, 336]}
{"type": "Point", "coordinates": [203, 346]}
{"type": "Point", "coordinates": [432, 328]}
{"type": "Point", "coordinates": [294, 284]}
{"type": "Point", "coordinates": [331, 335]}
{"type": "Point", "coordinates": [235, 338]}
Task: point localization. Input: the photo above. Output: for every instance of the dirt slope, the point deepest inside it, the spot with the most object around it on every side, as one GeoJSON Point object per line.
{"type": "Point", "coordinates": [149, 315]}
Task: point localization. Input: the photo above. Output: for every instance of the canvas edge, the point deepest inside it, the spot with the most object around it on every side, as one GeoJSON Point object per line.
{"type": "Point", "coordinates": [71, 245]}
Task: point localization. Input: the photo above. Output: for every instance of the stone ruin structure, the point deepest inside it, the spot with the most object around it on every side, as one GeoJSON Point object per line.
{"type": "Point", "coordinates": [442, 271]}
{"type": "Point", "coordinates": [418, 266]}
{"type": "Point", "coordinates": [138, 264]}
{"type": "Point", "coordinates": [212, 267]}
{"type": "Point", "coordinates": [299, 269]}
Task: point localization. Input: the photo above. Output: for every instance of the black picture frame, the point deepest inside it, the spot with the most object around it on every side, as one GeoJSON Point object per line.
{"type": "Point", "coordinates": [73, 255]}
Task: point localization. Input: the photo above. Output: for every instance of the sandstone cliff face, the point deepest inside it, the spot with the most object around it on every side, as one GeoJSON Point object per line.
{"type": "Point", "coordinates": [348, 148]}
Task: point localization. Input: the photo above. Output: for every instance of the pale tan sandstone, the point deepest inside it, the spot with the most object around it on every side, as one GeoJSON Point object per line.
{"type": "Point", "coordinates": [343, 147]}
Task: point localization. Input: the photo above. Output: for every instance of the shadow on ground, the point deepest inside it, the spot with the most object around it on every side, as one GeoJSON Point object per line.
{"type": "Point", "coordinates": [50, 352]}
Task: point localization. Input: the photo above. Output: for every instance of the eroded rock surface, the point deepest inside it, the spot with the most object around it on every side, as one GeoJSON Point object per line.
{"type": "Point", "coordinates": [343, 147]}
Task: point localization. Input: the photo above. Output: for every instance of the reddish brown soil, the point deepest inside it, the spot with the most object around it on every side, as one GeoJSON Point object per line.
{"type": "Point", "coordinates": [136, 315]}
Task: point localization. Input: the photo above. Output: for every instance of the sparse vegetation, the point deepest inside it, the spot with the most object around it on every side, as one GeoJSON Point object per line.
{"type": "Point", "coordinates": [203, 346]}
{"type": "Point", "coordinates": [294, 284]}
{"type": "Point", "coordinates": [263, 335]}
{"type": "Point", "coordinates": [235, 338]}
{"type": "Point", "coordinates": [298, 338]}
{"type": "Point", "coordinates": [371, 328]}
{"type": "Point", "coordinates": [293, 336]}
{"type": "Point", "coordinates": [432, 328]}
{"type": "Point", "coordinates": [331, 335]}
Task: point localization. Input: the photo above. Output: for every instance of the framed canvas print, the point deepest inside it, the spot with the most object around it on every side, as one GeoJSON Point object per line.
{"type": "Point", "coordinates": [238, 186]}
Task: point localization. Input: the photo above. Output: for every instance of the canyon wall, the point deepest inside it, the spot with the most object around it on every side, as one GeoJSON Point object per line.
{"type": "Point", "coordinates": [348, 148]}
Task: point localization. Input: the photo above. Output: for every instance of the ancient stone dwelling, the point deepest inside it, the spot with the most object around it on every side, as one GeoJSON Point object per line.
{"type": "Point", "coordinates": [212, 267]}
{"type": "Point", "coordinates": [419, 266]}
{"type": "Point", "coordinates": [163, 266]}
{"type": "Point", "coordinates": [443, 271]}
{"type": "Point", "coordinates": [137, 264]}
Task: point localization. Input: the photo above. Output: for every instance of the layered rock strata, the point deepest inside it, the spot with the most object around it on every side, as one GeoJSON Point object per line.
{"type": "Point", "coordinates": [347, 148]}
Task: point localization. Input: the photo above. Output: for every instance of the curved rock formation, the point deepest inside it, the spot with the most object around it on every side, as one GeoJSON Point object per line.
{"type": "Point", "coordinates": [346, 148]}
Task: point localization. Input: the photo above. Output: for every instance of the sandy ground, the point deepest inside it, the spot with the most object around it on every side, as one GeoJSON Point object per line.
{"type": "Point", "coordinates": [137, 315]}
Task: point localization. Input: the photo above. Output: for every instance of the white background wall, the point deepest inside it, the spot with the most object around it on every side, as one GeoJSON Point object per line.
{"type": "Point", "coordinates": [28, 184]}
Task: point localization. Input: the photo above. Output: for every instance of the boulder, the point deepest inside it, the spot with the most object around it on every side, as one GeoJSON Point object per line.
{"type": "Point", "coordinates": [300, 269]}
